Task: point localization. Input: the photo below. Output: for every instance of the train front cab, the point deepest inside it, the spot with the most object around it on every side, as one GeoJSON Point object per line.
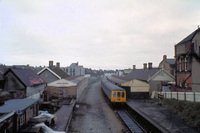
{"type": "Point", "coordinates": [118, 96]}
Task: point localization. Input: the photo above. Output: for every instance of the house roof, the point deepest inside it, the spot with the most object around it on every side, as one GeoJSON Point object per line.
{"type": "Point", "coordinates": [58, 72]}
{"type": "Point", "coordinates": [1, 72]}
{"type": "Point", "coordinates": [61, 83]}
{"type": "Point", "coordinates": [171, 61]}
{"type": "Point", "coordinates": [161, 75]}
{"type": "Point", "coordinates": [16, 105]}
{"type": "Point", "coordinates": [27, 76]}
{"type": "Point", "coordinates": [189, 37]}
{"type": "Point", "coordinates": [142, 74]}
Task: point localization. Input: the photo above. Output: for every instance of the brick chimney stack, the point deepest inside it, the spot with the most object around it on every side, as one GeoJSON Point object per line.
{"type": "Point", "coordinates": [134, 67]}
{"type": "Point", "coordinates": [164, 57]}
{"type": "Point", "coordinates": [144, 65]}
{"type": "Point", "coordinates": [58, 64]}
{"type": "Point", "coordinates": [50, 63]}
{"type": "Point", "coordinates": [150, 65]}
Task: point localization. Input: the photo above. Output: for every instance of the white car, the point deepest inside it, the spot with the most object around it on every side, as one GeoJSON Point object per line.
{"type": "Point", "coordinates": [46, 129]}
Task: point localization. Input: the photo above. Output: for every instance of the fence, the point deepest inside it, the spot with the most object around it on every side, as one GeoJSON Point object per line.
{"type": "Point", "coordinates": [186, 96]}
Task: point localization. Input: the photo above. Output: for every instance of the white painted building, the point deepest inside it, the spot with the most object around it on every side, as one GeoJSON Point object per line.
{"type": "Point", "coordinates": [75, 69]}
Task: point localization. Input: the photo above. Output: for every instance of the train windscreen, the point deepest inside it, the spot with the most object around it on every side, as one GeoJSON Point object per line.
{"type": "Point", "coordinates": [123, 94]}
{"type": "Point", "coordinates": [114, 94]}
{"type": "Point", "coordinates": [118, 94]}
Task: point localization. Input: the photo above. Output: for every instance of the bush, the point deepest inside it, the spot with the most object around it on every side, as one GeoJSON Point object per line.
{"type": "Point", "coordinates": [189, 111]}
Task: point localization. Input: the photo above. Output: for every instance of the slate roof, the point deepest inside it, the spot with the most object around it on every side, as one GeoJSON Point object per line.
{"type": "Point", "coordinates": [76, 79]}
{"type": "Point", "coordinates": [111, 86]}
{"type": "Point", "coordinates": [59, 72]}
{"type": "Point", "coordinates": [171, 61]}
{"type": "Point", "coordinates": [27, 76]}
{"type": "Point", "coordinates": [1, 73]}
{"type": "Point", "coordinates": [142, 74]}
{"type": "Point", "coordinates": [16, 105]}
{"type": "Point", "coordinates": [117, 79]}
{"type": "Point", "coordinates": [189, 37]}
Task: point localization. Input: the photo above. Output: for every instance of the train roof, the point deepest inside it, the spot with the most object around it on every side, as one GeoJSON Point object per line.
{"type": "Point", "coordinates": [111, 86]}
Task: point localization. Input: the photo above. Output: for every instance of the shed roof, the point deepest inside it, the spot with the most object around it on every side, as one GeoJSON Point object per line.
{"type": "Point", "coordinates": [61, 83]}
{"type": "Point", "coordinates": [76, 79]}
{"type": "Point", "coordinates": [16, 105]}
{"type": "Point", "coordinates": [27, 76]}
{"type": "Point", "coordinates": [111, 86]}
{"type": "Point", "coordinates": [142, 74]}
{"type": "Point", "coordinates": [189, 37]}
{"type": "Point", "coordinates": [117, 79]}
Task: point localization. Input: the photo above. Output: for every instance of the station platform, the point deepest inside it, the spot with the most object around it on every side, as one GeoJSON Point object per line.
{"type": "Point", "coordinates": [160, 116]}
{"type": "Point", "coordinates": [63, 116]}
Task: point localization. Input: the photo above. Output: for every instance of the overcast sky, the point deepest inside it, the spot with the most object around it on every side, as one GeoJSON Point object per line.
{"type": "Point", "coordinates": [105, 34]}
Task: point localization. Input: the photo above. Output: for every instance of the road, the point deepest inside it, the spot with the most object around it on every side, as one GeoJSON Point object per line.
{"type": "Point", "coordinates": [92, 113]}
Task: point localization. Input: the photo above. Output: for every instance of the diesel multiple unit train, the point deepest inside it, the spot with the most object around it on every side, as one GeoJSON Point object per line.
{"type": "Point", "coordinates": [114, 93]}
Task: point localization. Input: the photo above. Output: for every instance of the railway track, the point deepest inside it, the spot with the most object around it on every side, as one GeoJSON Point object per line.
{"type": "Point", "coordinates": [132, 125]}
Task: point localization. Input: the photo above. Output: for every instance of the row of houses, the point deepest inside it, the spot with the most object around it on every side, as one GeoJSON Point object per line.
{"type": "Point", "coordinates": [21, 89]}
{"type": "Point", "coordinates": [182, 72]}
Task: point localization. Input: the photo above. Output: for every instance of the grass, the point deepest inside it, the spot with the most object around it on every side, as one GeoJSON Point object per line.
{"type": "Point", "coordinates": [189, 111]}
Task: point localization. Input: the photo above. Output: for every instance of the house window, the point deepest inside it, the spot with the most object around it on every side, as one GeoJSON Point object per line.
{"type": "Point", "coordinates": [180, 64]}
{"type": "Point", "coordinates": [185, 84]}
{"type": "Point", "coordinates": [185, 63]}
{"type": "Point", "coordinates": [31, 112]}
{"type": "Point", "coordinates": [199, 50]}
{"type": "Point", "coordinates": [22, 119]}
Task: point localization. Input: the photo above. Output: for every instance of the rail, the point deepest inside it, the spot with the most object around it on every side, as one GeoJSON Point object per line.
{"type": "Point", "coordinates": [133, 126]}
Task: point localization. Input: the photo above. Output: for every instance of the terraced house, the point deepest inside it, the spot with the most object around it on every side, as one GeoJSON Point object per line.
{"type": "Point", "coordinates": [187, 55]}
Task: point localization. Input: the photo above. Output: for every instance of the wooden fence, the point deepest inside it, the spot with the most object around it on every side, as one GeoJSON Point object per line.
{"type": "Point", "coordinates": [186, 96]}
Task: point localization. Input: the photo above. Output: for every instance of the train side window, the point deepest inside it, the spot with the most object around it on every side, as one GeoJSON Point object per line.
{"type": "Point", "coordinates": [118, 94]}
{"type": "Point", "coordinates": [122, 94]}
{"type": "Point", "coordinates": [114, 94]}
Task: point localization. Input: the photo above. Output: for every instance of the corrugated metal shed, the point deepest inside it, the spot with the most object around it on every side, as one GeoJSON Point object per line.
{"type": "Point", "coordinates": [62, 83]}
{"type": "Point", "coordinates": [16, 105]}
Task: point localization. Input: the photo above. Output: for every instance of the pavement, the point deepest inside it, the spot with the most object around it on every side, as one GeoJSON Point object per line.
{"type": "Point", "coordinates": [160, 116]}
{"type": "Point", "coordinates": [63, 116]}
